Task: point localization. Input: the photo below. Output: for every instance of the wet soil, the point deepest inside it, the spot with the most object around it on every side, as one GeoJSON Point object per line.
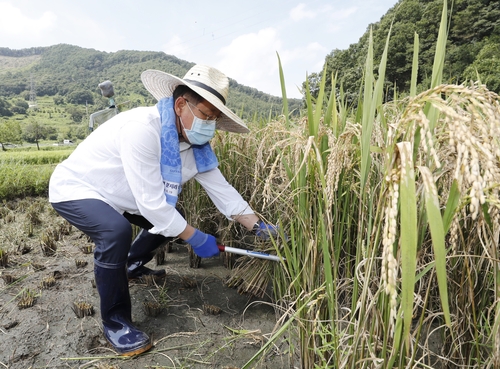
{"type": "Point", "coordinates": [194, 319]}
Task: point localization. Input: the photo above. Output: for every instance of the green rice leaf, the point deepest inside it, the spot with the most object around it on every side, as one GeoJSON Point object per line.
{"type": "Point", "coordinates": [313, 128]}
{"type": "Point", "coordinates": [437, 235]}
{"type": "Point", "coordinates": [451, 206]}
{"type": "Point", "coordinates": [283, 91]}
{"type": "Point", "coordinates": [437, 68]}
{"type": "Point", "coordinates": [367, 121]}
{"type": "Point", "coordinates": [409, 233]}
{"type": "Point", "coordinates": [414, 69]}
{"type": "Point", "coordinates": [331, 118]}
{"type": "Point", "coordinates": [310, 115]}
{"type": "Point", "coordinates": [372, 99]}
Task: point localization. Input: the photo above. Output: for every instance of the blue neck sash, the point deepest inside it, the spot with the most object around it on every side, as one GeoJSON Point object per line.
{"type": "Point", "coordinates": [170, 161]}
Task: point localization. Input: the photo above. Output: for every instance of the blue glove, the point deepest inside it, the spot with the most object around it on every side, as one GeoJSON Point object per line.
{"type": "Point", "coordinates": [265, 231]}
{"type": "Point", "coordinates": [204, 245]}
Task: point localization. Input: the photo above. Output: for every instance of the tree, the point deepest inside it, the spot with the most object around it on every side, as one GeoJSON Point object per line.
{"type": "Point", "coordinates": [10, 132]}
{"type": "Point", "coordinates": [20, 106]}
{"type": "Point", "coordinates": [81, 97]}
{"type": "Point", "coordinates": [5, 108]}
{"type": "Point", "coordinates": [76, 113]}
{"type": "Point", "coordinates": [79, 132]}
{"type": "Point", "coordinates": [472, 25]}
{"type": "Point", "coordinates": [33, 132]}
{"type": "Point", "coordinates": [51, 133]}
{"type": "Point", "coordinates": [58, 99]}
{"type": "Point", "coordinates": [487, 66]}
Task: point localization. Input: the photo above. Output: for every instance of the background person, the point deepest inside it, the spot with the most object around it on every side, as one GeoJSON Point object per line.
{"type": "Point", "coordinates": [131, 169]}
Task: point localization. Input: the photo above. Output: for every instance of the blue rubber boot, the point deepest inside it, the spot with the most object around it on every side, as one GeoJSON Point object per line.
{"type": "Point", "coordinates": [141, 252]}
{"type": "Point", "coordinates": [116, 312]}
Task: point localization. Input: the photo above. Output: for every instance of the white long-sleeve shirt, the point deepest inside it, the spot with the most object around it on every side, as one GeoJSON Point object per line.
{"type": "Point", "coordinates": [119, 163]}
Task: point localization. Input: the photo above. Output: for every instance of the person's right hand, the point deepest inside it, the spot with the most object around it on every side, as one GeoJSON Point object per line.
{"type": "Point", "coordinates": [204, 245]}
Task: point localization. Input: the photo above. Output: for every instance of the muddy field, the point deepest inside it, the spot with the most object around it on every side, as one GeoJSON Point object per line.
{"type": "Point", "coordinates": [195, 320]}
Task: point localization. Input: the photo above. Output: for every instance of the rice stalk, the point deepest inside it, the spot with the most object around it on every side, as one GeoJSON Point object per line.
{"type": "Point", "coordinates": [367, 235]}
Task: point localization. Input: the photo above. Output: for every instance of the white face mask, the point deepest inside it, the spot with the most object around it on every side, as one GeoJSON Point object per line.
{"type": "Point", "coordinates": [201, 130]}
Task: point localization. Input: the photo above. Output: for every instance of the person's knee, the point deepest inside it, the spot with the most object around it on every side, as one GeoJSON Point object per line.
{"type": "Point", "coordinates": [112, 245]}
{"type": "Point", "coordinates": [122, 232]}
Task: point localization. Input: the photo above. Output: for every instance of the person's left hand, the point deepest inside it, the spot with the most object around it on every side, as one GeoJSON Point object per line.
{"type": "Point", "coordinates": [204, 245]}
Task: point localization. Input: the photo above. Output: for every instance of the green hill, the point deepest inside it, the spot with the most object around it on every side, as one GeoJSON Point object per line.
{"type": "Point", "coordinates": [71, 75]}
{"type": "Point", "coordinates": [473, 47]}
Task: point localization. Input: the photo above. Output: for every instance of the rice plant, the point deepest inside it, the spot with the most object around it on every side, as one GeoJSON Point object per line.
{"type": "Point", "coordinates": [48, 242]}
{"type": "Point", "coordinates": [47, 282]}
{"type": "Point", "coordinates": [79, 263]}
{"type": "Point", "coordinates": [27, 173]}
{"type": "Point", "coordinates": [152, 308]}
{"type": "Point", "coordinates": [392, 219]}
{"type": "Point", "coordinates": [26, 299]}
{"type": "Point", "coordinates": [82, 309]}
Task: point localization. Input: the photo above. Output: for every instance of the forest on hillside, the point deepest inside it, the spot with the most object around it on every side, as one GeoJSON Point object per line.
{"type": "Point", "coordinates": [71, 74]}
{"type": "Point", "coordinates": [473, 47]}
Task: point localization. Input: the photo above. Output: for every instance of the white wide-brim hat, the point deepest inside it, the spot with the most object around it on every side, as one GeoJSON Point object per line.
{"type": "Point", "coordinates": [208, 82]}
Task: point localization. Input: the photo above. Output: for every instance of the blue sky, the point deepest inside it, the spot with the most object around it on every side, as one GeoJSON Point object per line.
{"type": "Point", "coordinates": [241, 38]}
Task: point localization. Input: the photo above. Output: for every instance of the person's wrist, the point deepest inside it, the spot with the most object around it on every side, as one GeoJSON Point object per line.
{"type": "Point", "coordinates": [197, 239]}
{"type": "Point", "coordinates": [187, 233]}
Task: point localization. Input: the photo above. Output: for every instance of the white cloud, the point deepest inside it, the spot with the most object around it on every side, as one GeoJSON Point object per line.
{"type": "Point", "coordinates": [299, 12]}
{"type": "Point", "coordinates": [251, 59]}
{"type": "Point", "coordinates": [300, 61]}
{"type": "Point", "coordinates": [312, 52]}
{"type": "Point", "coordinates": [175, 46]}
{"type": "Point", "coordinates": [14, 22]}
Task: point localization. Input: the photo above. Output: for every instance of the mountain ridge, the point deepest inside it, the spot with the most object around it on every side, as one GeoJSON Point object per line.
{"type": "Point", "coordinates": [62, 69]}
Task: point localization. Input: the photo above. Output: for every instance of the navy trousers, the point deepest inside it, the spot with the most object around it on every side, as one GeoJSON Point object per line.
{"type": "Point", "coordinates": [110, 230]}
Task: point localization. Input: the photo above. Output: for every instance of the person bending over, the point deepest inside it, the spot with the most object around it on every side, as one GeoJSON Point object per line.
{"type": "Point", "coordinates": [130, 171]}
